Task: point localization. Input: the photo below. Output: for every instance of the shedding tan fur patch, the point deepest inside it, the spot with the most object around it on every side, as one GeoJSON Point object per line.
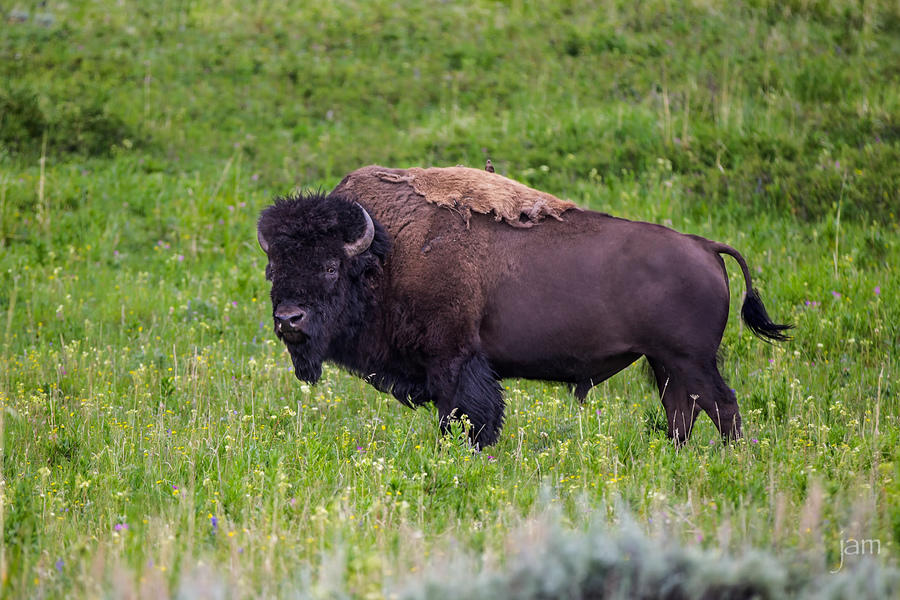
{"type": "Point", "coordinates": [465, 190]}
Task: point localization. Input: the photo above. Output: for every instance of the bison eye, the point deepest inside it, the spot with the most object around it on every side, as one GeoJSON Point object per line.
{"type": "Point", "coordinates": [330, 270]}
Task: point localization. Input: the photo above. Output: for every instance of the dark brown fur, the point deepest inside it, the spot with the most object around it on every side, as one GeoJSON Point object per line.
{"type": "Point", "coordinates": [451, 309]}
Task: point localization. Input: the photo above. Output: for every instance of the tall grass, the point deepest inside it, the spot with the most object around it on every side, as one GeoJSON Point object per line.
{"type": "Point", "coordinates": [154, 440]}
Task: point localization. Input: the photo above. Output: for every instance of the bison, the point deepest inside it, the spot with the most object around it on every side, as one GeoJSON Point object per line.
{"type": "Point", "coordinates": [421, 304]}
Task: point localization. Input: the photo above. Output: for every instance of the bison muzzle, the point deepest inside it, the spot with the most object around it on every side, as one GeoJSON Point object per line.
{"type": "Point", "coordinates": [399, 291]}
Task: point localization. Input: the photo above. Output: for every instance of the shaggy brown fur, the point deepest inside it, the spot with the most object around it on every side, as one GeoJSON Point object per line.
{"type": "Point", "coordinates": [434, 312]}
{"type": "Point", "coordinates": [466, 190]}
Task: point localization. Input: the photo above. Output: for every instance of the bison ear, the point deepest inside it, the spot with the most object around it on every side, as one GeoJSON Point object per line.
{"type": "Point", "coordinates": [262, 240]}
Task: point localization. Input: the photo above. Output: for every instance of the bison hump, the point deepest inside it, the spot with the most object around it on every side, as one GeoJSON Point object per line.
{"type": "Point", "coordinates": [468, 190]}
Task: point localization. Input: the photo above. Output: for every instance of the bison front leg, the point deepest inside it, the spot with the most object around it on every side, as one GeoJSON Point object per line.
{"type": "Point", "coordinates": [468, 386]}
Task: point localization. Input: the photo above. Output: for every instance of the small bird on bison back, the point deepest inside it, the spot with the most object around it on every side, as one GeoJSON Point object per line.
{"type": "Point", "coordinates": [353, 284]}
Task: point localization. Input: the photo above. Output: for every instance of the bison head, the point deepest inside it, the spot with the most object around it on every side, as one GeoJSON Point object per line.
{"type": "Point", "coordinates": [325, 259]}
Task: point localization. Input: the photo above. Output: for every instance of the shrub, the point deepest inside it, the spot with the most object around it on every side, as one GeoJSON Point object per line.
{"type": "Point", "coordinates": [552, 563]}
{"type": "Point", "coordinates": [83, 125]}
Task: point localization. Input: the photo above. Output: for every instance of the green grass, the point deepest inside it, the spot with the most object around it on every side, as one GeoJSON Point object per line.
{"type": "Point", "coordinates": [154, 439]}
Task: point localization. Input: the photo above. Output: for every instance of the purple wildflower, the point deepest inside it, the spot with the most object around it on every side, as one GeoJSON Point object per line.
{"type": "Point", "coordinates": [121, 527]}
{"type": "Point", "coordinates": [877, 290]}
{"type": "Point", "coordinates": [837, 295]}
{"type": "Point", "coordinates": [59, 565]}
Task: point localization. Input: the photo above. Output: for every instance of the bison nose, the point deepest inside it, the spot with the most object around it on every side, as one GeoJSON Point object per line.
{"type": "Point", "coordinates": [289, 318]}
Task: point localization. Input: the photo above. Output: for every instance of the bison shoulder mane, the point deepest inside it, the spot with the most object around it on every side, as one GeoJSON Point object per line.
{"type": "Point", "coordinates": [465, 190]}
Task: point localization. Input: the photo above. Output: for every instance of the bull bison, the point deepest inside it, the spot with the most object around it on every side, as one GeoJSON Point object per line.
{"type": "Point", "coordinates": [420, 304]}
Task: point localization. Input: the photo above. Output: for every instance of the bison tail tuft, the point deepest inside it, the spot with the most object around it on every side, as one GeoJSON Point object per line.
{"type": "Point", "coordinates": [757, 319]}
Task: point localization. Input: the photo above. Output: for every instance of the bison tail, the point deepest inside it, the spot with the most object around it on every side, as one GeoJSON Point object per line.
{"type": "Point", "coordinates": [754, 314]}
{"type": "Point", "coordinates": [753, 311]}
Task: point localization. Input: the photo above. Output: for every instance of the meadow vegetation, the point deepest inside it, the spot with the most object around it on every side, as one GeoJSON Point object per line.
{"type": "Point", "coordinates": [154, 439]}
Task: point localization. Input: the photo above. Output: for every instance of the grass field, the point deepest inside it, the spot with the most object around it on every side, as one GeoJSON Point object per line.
{"type": "Point", "coordinates": [154, 440]}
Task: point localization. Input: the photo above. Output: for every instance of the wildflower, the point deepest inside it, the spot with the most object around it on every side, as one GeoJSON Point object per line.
{"type": "Point", "coordinates": [837, 295]}
{"type": "Point", "coordinates": [214, 523]}
{"type": "Point", "coordinates": [59, 565]}
{"type": "Point", "coordinates": [877, 290]}
{"type": "Point", "coordinates": [121, 527]}
{"type": "Point", "coordinates": [754, 441]}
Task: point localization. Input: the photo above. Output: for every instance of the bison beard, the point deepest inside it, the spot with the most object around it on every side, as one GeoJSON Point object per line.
{"type": "Point", "coordinates": [307, 357]}
{"type": "Point", "coordinates": [402, 293]}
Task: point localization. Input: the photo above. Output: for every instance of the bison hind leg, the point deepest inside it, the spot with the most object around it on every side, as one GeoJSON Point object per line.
{"type": "Point", "coordinates": [688, 385]}
{"type": "Point", "coordinates": [681, 414]}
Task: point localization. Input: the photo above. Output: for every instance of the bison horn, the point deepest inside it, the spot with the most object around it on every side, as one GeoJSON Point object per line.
{"type": "Point", "coordinates": [262, 241]}
{"type": "Point", "coordinates": [365, 240]}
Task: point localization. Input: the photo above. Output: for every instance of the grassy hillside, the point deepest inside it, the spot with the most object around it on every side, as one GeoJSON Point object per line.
{"type": "Point", "coordinates": [154, 439]}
